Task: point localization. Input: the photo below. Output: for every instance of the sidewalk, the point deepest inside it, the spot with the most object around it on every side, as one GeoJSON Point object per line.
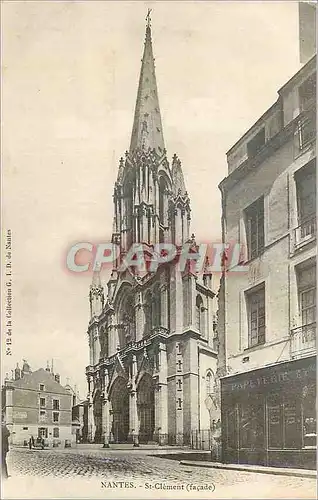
{"type": "Point", "coordinates": [130, 447]}
{"type": "Point", "coordinates": [312, 474]}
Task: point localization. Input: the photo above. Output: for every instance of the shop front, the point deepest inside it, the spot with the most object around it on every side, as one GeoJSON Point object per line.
{"type": "Point", "coordinates": [269, 415]}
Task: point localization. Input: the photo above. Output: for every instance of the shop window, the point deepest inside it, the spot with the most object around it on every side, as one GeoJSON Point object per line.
{"type": "Point", "coordinates": [56, 432]}
{"type": "Point", "coordinates": [255, 301]}
{"type": "Point", "coordinates": [274, 418]}
{"type": "Point", "coordinates": [309, 421]}
{"type": "Point", "coordinates": [254, 226]}
{"type": "Point", "coordinates": [232, 428]}
{"type": "Point", "coordinates": [284, 422]}
{"type": "Point", "coordinates": [291, 423]}
{"type": "Point", "coordinates": [252, 424]}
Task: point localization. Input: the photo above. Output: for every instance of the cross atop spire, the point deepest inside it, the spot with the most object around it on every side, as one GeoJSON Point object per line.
{"type": "Point", "coordinates": [147, 127]}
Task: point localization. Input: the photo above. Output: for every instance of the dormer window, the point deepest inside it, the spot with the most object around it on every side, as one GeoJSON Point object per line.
{"type": "Point", "coordinates": [256, 144]}
{"type": "Point", "coordinates": [42, 387]}
{"type": "Point", "coordinates": [307, 93]}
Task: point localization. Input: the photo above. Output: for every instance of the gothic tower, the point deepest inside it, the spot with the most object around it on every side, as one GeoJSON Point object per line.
{"type": "Point", "coordinates": [151, 204]}
{"type": "Point", "coordinates": [152, 344]}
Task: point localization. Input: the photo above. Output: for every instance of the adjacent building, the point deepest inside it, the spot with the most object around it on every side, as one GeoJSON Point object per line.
{"type": "Point", "coordinates": [267, 312]}
{"type": "Point", "coordinates": [80, 421]}
{"type": "Point", "coordinates": [36, 404]}
{"type": "Point", "coordinates": [153, 355]}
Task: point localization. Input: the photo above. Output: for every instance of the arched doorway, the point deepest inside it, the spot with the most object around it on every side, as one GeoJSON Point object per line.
{"type": "Point", "coordinates": [97, 409]}
{"type": "Point", "coordinates": [120, 406]}
{"type": "Point", "coordinates": [146, 408]}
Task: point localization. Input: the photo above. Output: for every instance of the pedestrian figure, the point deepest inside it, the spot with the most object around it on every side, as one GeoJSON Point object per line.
{"type": "Point", "coordinates": [30, 443]}
{"type": "Point", "coordinates": [42, 443]}
{"type": "Point", "coordinates": [5, 448]}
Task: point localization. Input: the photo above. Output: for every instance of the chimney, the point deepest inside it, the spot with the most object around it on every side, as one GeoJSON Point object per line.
{"type": "Point", "coordinates": [47, 369]}
{"type": "Point", "coordinates": [25, 368]}
{"type": "Point", "coordinates": [307, 30]}
{"type": "Point", "coordinates": [17, 373]}
{"type": "Point", "coordinates": [57, 378]}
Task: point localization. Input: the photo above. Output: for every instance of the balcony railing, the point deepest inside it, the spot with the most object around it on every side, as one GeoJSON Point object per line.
{"type": "Point", "coordinates": [303, 340]}
{"type": "Point", "coordinates": [305, 132]}
{"type": "Point", "coordinates": [305, 232]}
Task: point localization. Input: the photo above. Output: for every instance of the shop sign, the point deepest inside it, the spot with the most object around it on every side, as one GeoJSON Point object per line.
{"type": "Point", "coordinates": [20, 415]}
{"type": "Point", "coordinates": [278, 377]}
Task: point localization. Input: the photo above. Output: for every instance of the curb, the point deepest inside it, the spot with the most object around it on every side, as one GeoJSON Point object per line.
{"type": "Point", "coordinates": [311, 474]}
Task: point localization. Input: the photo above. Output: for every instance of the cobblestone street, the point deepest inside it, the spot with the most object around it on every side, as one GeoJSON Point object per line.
{"type": "Point", "coordinates": [89, 472]}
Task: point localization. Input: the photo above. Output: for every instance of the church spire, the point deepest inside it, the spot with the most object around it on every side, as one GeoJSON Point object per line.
{"type": "Point", "coordinates": [147, 128]}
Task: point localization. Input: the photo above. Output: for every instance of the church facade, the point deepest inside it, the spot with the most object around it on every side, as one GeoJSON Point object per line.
{"type": "Point", "coordinates": [152, 336]}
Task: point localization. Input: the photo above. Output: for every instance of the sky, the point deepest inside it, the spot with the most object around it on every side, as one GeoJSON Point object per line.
{"type": "Point", "coordinates": [70, 72]}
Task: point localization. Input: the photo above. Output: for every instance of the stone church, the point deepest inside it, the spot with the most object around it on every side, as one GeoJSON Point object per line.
{"type": "Point", "coordinates": [152, 338]}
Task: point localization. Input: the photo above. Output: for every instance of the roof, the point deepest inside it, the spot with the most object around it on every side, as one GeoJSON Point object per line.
{"type": "Point", "coordinates": [292, 81]}
{"type": "Point", "coordinates": [32, 381]}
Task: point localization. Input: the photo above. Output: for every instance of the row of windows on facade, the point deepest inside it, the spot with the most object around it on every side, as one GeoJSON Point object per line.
{"type": "Point", "coordinates": [55, 403]}
{"type": "Point", "coordinates": [305, 179]}
{"type": "Point", "coordinates": [307, 100]}
{"type": "Point", "coordinates": [55, 415]}
{"type": "Point", "coordinates": [43, 431]}
{"type": "Point", "coordinates": [255, 302]}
